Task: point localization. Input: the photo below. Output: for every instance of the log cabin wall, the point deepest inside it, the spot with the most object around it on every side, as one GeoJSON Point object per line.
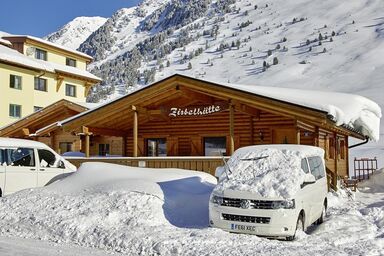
{"type": "Point", "coordinates": [185, 135]}
{"type": "Point", "coordinates": [115, 145]}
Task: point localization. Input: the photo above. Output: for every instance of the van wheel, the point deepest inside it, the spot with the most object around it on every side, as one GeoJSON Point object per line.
{"type": "Point", "coordinates": [323, 214]}
{"type": "Point", "coordinates": [299, 227]}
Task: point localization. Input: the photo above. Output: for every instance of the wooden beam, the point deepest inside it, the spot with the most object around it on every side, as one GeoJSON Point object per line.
{"type": "Point", "coordinates": [198, 96]}
{"type": "Point", "coordinates": [231, 129]}
{"type": "Point", "coordinates": [106, 132]}
{"type": "Point", "coordinates": [60, 81]}
{"type": "Point", "coordinates": [25, 131]}
{"type": "Point", "coordinates": [297, 136]}
{"type": "Point", "coordinates": [135, 131]}
{"type": "Point", "coordinates": [87, 88]}
{"type": "Point", "coordinates": [247, 110]}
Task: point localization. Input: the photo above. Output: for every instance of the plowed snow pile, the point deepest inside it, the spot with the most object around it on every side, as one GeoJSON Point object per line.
{"type": "Point", "coordinates": [139, 211]}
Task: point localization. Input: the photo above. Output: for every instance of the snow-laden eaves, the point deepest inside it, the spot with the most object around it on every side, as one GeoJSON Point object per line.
{"type": "Point", "coordinates": [42, 41]}
{"type": "Point", "coordinates": [348, 110]}
{"type": "Point", "coordinates": [11, 56]}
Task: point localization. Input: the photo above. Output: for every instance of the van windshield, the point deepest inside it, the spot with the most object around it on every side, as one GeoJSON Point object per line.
{"type": "Point", "coordinates": [269, 172]}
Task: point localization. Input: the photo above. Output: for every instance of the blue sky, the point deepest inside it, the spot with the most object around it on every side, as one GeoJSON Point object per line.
{"type": "Point", "coordinates": [41, 17]}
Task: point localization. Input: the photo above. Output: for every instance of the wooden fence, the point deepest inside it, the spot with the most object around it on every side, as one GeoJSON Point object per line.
{"type": "Point", "coordinates": [204, 164]}
{"type": "Point", "coordinates": [364, 167]}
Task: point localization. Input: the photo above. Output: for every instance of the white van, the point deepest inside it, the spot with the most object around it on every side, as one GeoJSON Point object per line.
{"type": "Point", "coordinates": [27, 164]}
{"type": "Point", "coordinates": [270, 190]}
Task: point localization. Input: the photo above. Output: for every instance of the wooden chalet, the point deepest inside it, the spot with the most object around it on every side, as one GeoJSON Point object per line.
{"type": "Point", "coordinates": [42, 126]}
{"type": "Point", "coordinates": [183, 116]}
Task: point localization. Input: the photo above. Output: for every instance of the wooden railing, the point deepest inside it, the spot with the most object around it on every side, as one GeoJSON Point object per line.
{"type": "Point", "coordinates": [203, 164]}
{"type": "Point", "coordinates": [364, 167]}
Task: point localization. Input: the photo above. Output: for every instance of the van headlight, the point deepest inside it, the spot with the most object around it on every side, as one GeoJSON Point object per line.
{"type": "Point", "coordinates": [284, 204]}
{"type": "Point", "coordinates": [217, 200]}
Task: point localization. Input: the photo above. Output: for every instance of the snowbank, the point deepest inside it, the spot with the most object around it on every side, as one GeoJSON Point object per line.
{"type": "Point", "coordinates": [276, 174]}
{"type": "Point", "coordinates": [375, 184]}
{"type": "Point", "coordinates": [110, 207]}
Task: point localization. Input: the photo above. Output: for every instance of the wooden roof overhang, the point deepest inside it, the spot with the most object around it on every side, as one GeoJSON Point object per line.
{"type": "Point", "coordinates": [30, 124]}
{"type": "Point", "coordinates": [116, 117]}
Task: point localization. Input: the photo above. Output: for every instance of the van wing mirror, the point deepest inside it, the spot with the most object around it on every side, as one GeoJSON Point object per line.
{"type": "Point", "coordinates": [61, 164]}
{"type": "Point", "coordinates": [219, 171]}
{"type": "Point", "coordinates": [308, 179]}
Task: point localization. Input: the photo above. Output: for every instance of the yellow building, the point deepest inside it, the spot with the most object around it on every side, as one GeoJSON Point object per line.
{"type": "Point", "coordinates": [35, 73]}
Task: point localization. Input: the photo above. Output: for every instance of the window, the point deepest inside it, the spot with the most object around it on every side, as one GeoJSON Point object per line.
{"type": "Point", "coordinates": [341, 149]}
{"type": "Point", "coordinates": [70, 62]}
{"type": "Point", "coordinates": [65, 147]}
{"type": "Point", "coordinates": [157, 147]}
{"type": "Point", "coordinates": [331, 152]}
{"type": "Point", "coordinates": [104, 149]}
{"type": "Point", "coordinates": [40, 54]}
{"type": "Point", "coordinates": [304, 165]}
{"type": "Point", "coordinates": [36, 108]}
{"type": "Point", "coordinates": [2, 156]}
{"type": "Point", "coordinates": [21, 157]}
{"type": "Point", "coordinates": [14, 110]}
{"type": "Point", "coordinates": [15, 82]}
{"type": "Point", "coordinates": [70, 90]}
{"type": "Point", "coordinates": [316, 166]}
{"type": "Point", "coordinates": [40, 84]}
{"type": "Point", "coordinates": [215, 146]}
{"type": "Point", "coordinates": [46, 158]}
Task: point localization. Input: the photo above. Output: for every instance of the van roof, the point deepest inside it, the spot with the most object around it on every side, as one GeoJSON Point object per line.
{"type": "Point", "coordinates": [306, 150]}
{"type": "Point", "coordinates": [11, 142]}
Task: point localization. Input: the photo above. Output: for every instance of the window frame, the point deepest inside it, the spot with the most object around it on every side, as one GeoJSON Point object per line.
{"type": "Point", "coordinates": [66, 143]}
{"type": "Point", "coordinates": [41, 54]}
{"type": "Point", "coordinates": [157, 152]}
{"type": "Point", "coordinates": [70, 62]}
{"type": "Point", "coordinates": [12, 82]}
{"type": "Point", "coordinates": [104, 149]}
{"type": "Point", "coordinates": [215, 137]}
{"type": "Point", "coordinates": [68, 91]}
{"type": "Point", "coordinates": [37, 84]}
{"type": "Point", "coordinates": [12, 110]}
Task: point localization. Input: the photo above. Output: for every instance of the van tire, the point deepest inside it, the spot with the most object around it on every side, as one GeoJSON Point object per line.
{"type": "Point", "coordinates": [1, 192]}
{"type": "Point", "coordinates": [323, 214]}
{"type": "Point", "coordinates": [299, 226]}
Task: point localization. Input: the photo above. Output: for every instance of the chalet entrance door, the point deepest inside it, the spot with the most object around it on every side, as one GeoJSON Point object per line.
{"type": "Point", "coordinates": [284, 136]}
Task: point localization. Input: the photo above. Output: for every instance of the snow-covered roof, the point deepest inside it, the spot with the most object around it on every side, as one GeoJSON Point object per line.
{"type": "Point", "coordinates": [5, 42]}
{"type": "Point", "coordinates": [13, 56]}
{"type": "Point", "coordinates": [350, 110]}
{"type": "Point", "coordinates": [53, 45]}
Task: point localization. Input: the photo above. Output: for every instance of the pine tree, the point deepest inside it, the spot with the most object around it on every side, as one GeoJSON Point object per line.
{"type": "Point", "coordinates": [189, 65]}
{"type": "Point", "coordinates": [275, 61]}
{"type": "Point", "coordinates": [269, 53]}
{"type": "Point", "coordinates": [168, 63]}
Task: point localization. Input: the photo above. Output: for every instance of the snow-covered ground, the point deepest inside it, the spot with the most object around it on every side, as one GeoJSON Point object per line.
{"type": "Point", "coordinates": [114, 209]}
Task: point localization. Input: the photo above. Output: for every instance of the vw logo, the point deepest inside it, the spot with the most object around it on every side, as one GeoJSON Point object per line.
{"type": "Point", "coordinates": [244, 203]}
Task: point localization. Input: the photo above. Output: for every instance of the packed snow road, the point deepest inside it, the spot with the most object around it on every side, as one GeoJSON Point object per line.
{"type": "Point", "coordinates": [113, 209]}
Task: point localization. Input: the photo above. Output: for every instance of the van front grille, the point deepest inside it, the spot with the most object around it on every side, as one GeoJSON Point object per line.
{"type": "Point", "coordinates": [248, 219]}
{"type": "Point", "coordinates": [253, 204]}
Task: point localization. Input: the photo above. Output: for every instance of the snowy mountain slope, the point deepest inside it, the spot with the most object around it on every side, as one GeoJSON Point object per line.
{"type": "Point", "coordinates": [323, 45]}
{"type": "Point", "coordinates": [76, 32]}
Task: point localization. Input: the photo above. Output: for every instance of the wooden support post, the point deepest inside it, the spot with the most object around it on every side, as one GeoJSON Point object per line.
{"type": "Point", "coordinates": [135, 131]}
{"type": "Point", "coordinates": [87, 140]}
{"type": "Point", "coordinates": [298, 137]}
{"type": "Point", "coordinates": [231, 129]}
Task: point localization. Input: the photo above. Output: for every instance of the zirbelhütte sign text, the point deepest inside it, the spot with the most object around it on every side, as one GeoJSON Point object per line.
{"type": "Point", "coordinates": [197, 111]}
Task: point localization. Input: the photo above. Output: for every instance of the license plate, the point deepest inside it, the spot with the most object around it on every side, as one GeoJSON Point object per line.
{"type": "Point", "coordinates": [243, 228]}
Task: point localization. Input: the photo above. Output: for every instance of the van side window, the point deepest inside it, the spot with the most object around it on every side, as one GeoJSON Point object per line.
{"type": "Point", "coordinates": [2, 156]}
{"type": "Point", "coordinates": [46, 158]}
{"type": "Point", "coordinates": [316, 166]}
{"type": "Point", "coordinates": [304, 165]}
{"type": "Point", "coordinates": [21, 157]}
